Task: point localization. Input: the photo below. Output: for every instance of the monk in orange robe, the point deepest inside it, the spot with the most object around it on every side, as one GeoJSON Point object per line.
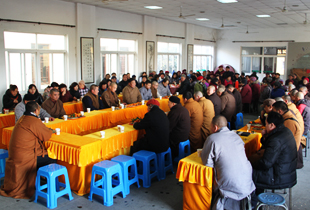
{"type": "Point", "coordinates": [26, 143]}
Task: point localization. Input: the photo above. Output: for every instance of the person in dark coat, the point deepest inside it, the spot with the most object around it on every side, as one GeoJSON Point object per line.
{"type": "Point", "coordinates": [32, 89]}
{"type": "Point", "coordinates": [277, 91]}
{"type": "Point", "coordinates": [74, 91]}
{"type": "Point", "coordinates": [65, 95]}
{"type": "Point", "coordinates": [179, 124]}
{"type": "Point", "coordinates": [122, 84]}
{"type": "Point", "coordinates": [11, 98]}
{"type": "Point", "coordinates": [216, 100]}
{"type": "Point", "coordinates": [156, 125]}
{"type": "Point", "coordinates": [232, 90]}
{"type": "Point", "coordinates": [185, 85]}
{"type": "Point", "coordinates": [275, 164]}
{"type": "Point", "coordinates": [228, 103]}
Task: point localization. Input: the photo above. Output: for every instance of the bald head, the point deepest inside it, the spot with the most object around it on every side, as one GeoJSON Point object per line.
{"type": "Point", "coordinates": [286, 99]}
{"type": "Point", "coordinates": [210, 90]}
{"type": "Point", "coordinates": [303, 90]}
{"type": "Point", "coordinates": [218, 122]}
{"type": "Point", "coordinates": [279, 99]}
{"type": "Point", "coordinates": [299, 96]}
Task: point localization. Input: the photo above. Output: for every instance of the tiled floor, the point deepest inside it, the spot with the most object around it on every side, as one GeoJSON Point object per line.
{"type": "Point", "coordinates": [165, 194]}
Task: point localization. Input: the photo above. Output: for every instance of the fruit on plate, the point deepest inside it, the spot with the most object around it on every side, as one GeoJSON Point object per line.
{"type": "Point", "coordinates": [137, 119]}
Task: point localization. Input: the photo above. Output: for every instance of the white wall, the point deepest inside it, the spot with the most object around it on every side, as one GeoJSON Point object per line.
{"type": "Point", "coordinates": [230, 53]}
{"type": "Point", "coordinates": [87, 19]}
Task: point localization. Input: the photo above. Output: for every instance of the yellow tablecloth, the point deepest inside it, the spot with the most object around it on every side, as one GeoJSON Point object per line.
{"type": "Point", "coordinates": [73, 107]}
{"type": "Point", "coordinates": [197, 178]}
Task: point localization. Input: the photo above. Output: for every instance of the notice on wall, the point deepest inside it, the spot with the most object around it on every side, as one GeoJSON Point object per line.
{"type": "Point", "coordinates": [87, 59]}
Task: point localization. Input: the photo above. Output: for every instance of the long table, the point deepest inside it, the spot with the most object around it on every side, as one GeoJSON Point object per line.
{"type": "Point", "coordinates": [197, 178]}
{"type": "Point", "coordinates": [6, 120]}
{"type": "Point", "coordinates": [73, 107]}
{"type": "Point", "coordinates": [80, 153]}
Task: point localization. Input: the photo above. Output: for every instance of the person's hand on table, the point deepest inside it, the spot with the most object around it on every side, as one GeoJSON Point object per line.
{"type": "Point", "coordinates": [51, 119]}
{"type": "Point", "coordinates": [74, 98]}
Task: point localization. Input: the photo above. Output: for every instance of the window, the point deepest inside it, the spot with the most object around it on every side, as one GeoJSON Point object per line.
{"type": "Point", "coordinates": [34, 59]}
{"type": "Point", "coordinates": [202, 57]}
{"type": "Point", "coordinates": [118, 55]}
{"type": "Point", "coordinates": [268, 59]}
{"type": "Point", "coordinates": [168, 56]}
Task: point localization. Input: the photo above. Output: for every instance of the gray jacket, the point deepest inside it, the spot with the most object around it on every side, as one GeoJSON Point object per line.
{"type": "Point", "coordinates": [21, 108]}
{"type": "Point", "coordinates": [146, 93]}
{"type": "Point", "coordinates": [163, 91]}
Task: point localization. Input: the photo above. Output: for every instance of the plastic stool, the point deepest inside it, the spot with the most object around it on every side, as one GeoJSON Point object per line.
{"type": "Point", "coordinates": [52, 172]}
{"type": "Point", "coordinates": [270, 199]}
{"type": "Point", "coordinates": [146, 157]}
{"type": "Point", "coordinates": [3, 154]}
{"type": "Point", "coordinates": [108, 170]}
{"type": "Point", "coordinates": [131, 177]}
{"type": "Point", "coordinates": [164, 160]}
{"type": "Point", "coordinates": [239, 121]}
{"type": "Point", "coordinates": [184, 150]}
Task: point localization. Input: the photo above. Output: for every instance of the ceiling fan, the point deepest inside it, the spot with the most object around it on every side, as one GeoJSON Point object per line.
{"type": "Point", "coordinates": [224, 26]}
{"type": "Point", "coordinates": [305, 21]}
{"type": "Point", "coordinates": [247, 31]}
{"type": "Point", "coordinates": [184, 16]}
{"type": "Point", "coordinates": [284, 9]}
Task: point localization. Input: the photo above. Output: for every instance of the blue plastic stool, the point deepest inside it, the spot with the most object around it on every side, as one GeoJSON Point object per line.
{"type": "Point", "coordinates": [52, 172]}
{"type": "Point", "coordinates": [131, 177]}
{"type": "Point", "coordinates": [270, 199]}
{"type": "Point", "coordinates": [3, 154]}
{"type": "Point", "coordinates": [145, 157]}
{"type": "Point", "coordinates": [228, 125]}
{"type": "Point", "coordinates": [164, 160]}
{"type": "Point", "coordinates": [239, 121]}
{"type": "Point", "coordinates": [184, 150]}
{"type": "Point", "coordinates": [108, 170]}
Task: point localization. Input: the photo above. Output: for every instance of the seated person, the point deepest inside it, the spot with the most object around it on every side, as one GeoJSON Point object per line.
{"type": "Point", "coordinates": [179, 124]}
{"type": "Point", "coordinates": [156, 125]}
{"type": "Point", "coordinates": [92, 100]}
{"type": "Point", "coordinates": [154, 90]}
{"type": "Point", "coordinates": [215, 99]}
{"type": "Point", "coordinates": [55, 85]}
{"type": "Point", "coordinates": [53, 105]}
{"type": "Point", "coordinates": [65, 95]}
{"type": "Point", "coordinates": [82, 88]}
{"type": "Point", "coordinates": [32, 89]}
{"type": "Point", "coordinates": [146, 91]}
{"type": "Point", "coordinates": [224, 152]}
{"type": "Point", "coordinates": [267, 107]}
{"type": "Point", "coordinates": [163, 88]}
{"type": "Point", "coordinates": [74, 91]}
{"type": "Point", "coordinates": [274, 166]}
{"type": "Point", "coordinates": [228, 104]}
{"type": "Point", "coordinates": [21, 108]}
{"type": "Point", "coordinates": [26, 154]}
{"type": "Point", "coordinates": [109, 97]}
{"type": "Point", "coordinates": [122, 84]}
{"type": "Point", "coordinates": [277, 90]}
{"type": "Point", "coordinates": [11, 98]}
{"type": "Point", "coordinates": [103, 86]}
{"type": "Point", "coordinates": [131, 93]}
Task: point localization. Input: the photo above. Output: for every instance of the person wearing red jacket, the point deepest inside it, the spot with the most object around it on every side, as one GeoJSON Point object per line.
{"type": "Point", "coordinates": [246, 94]}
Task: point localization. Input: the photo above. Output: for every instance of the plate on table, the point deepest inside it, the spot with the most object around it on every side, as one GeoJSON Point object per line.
{"type": "Point", "coordinates": [256, 125]}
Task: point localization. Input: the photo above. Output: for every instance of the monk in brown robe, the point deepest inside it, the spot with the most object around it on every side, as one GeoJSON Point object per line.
{"type": "Point", "coordinates": [109, 97]}
{"type": "Point", "coordinates": [92, 100]}
{"type": "Point", "coordinates": [154, 90]}
{"type": "Point", "coordinates": [27, 142]}
{"type": "Point", "coordinates": [53, 106]}
{"type": "Point", "coordinates": [208, 114]}
{"type": "Point", "coordinates": [131, 93]}
{"type": "Point", "coordinates": [196, 116]}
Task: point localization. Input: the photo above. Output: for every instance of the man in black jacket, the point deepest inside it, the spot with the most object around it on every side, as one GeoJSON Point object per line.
{"type": "Point", "coordinates": [122, 84]}
{"type": "Point", "coordinates": [185, 85]}
{"type": "Point", "coordinates": [156, 125]}
{"type": "Point", "coordinates": [179, 124]}
{"type": "Point", "coordinates": [216, 100]}
{"type": "Point", "coordinates": [276, 167]}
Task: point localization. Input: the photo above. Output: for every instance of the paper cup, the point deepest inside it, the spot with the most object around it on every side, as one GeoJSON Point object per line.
{"type": "Point", "coordinates": [142, 102]}
{"type": "Point", "coordinates": [177, 93]}
{"type": "Point", "coordinates": [119, 128]}
{"type": "Point", "coordinates": [78, 100]}
{"type": "Point", "coordinates": [46, 119]}
{"type": "Point", "coordinates": [65, 117]}
{"type": "Point", "coordinates": [199, 152]}
{"type": "Point", "coordinates": [122, 129]}
{"type": "Point", "coordinates": [102, 134]}
{"type": "Point", "coordinates": [113, 108]}
{"type": "Point", "coordinates": [88, 110]}
{"type": "Point", "coordinates": [6, 111]}
{"type": "Point", "coordinates": [170, 94]}
{"type": "Point", "coordinates": [57, 131]}
{"type": "Point", "coordinates": [248, 126]}
{"type": "Point", "coordinates": [122, 106]}
{"type": "Point", "coordinates": [160, 97]}
{"type": "Point", "coordinates": [42, 121]}
{"type": "Point", "coordinates": [82, 113]}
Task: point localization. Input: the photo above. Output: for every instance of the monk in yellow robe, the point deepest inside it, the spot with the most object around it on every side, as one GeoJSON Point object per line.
{"type": "Point", "coordinates": [26, 144]}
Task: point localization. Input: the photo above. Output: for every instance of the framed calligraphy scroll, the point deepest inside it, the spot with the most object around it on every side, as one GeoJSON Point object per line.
{"type": "Point", "coordinates": [87, 59]}
{"type": "Point", "coordinates": [190, 54]}
{"type": "Point", "coordinates": [150, 56]}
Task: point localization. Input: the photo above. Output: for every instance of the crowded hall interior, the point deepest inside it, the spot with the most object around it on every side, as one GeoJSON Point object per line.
{"type": "Point", "coordinates": [166, 104]}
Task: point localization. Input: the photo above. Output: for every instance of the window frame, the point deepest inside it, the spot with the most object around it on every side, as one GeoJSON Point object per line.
{"type": "Point", "coordinates": [168, 54]}
{"type": "Point", "coordinates": [204, 54]}
{"type": "Point", "coordinates": [37, 53]}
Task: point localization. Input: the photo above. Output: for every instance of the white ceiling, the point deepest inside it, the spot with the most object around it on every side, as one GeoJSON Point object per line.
{"type": "Point", "coordinates": [244, 11]}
